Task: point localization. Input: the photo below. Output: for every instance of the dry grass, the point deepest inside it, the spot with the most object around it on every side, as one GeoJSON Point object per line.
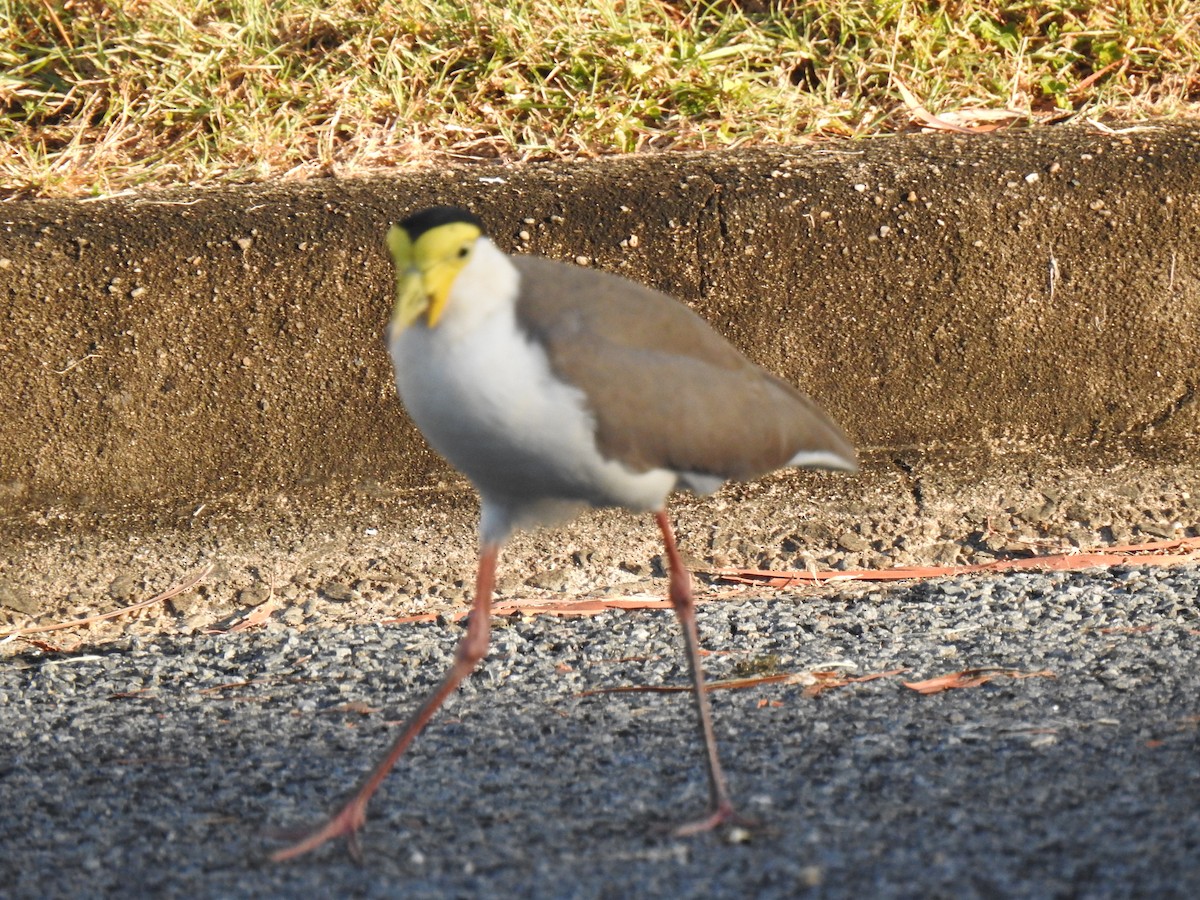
{"type": "Point", "coordinates": [98, 95]}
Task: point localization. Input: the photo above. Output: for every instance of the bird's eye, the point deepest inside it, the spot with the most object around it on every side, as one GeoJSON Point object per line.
{"type": "Point", "coordinates": [463, 251]}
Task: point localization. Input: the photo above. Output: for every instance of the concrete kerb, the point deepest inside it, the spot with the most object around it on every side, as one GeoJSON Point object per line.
{"type": "Point", "coordinates": [1034, 289]}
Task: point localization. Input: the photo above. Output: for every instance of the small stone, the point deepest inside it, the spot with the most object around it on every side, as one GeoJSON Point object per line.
{"type": "Point", "coordinates": [1077, 512]}
{"type": "Point", "coordinates": [19, 601]}
{"type": "Point", "coordinates": [195, 623]}
{"type": "Point", "coordinates": [254, 596]}
{"type": "Point", "coordinates": [738, 835]}
{"type": "Point", "coordinates": [549, 580]}
{"type": "Point", "coordinates": [853, 543]}
{"type": "Point", "coordinates": [1120, 533]}
{"type": "Point", "coordinates": [122, 587]}
{"type": "Point", "coordinates": [293, 615]}
{"type": "Point", "coordinates": [1158, 529]}
{"type": "Point", "coordinates": [1081, 537]}
{"type": "Point", "coordinates": [946, 553]}
{"type": "Point", "coordinates": [337, 591]}
{"type": "Point", "coordinates": [185, 603]}
{"type": "Point", "coordinates": [508, 585]}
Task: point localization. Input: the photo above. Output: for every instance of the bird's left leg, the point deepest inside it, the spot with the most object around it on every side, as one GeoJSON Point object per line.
{"type": "Point", "coordinates": [722, 810]}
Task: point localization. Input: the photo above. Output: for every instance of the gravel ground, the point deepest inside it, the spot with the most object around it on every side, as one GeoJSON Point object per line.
{"type": "Point", "coordinates": [157, 765]}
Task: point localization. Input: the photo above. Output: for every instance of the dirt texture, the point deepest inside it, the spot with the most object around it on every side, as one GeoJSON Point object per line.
{"type": "Point", "coordinates": [1002, 323]}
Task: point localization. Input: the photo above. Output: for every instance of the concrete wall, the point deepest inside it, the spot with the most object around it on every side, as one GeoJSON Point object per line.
{"type": "Point", "coordinates": [1037, 288]}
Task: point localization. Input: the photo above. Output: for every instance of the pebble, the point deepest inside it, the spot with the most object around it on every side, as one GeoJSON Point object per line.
{"type": "Point", "coordinates": [254, 596]}
{"type": "Point", "coordinates": [18, 600]}
{"type": "Point", "coordinates": [122, 588]}
{"type": "Point", "coordinates": [337, 591]}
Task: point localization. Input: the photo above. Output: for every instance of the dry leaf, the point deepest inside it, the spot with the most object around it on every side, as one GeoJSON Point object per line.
{"type": "Point", "coordinates": [960, 121]}
{"type": "Point", "coordinates": [969, 678]}
{"type": "Point", "coordinates": [356, 706]}
{"type": "Point", "coordinates": [47, 647]}
{"type": "Point", "coordinates": [828, 680]}
{"type": "Point", "coordinates": [809, 679]}
{"type": "Point", "coordinates": [1128, 554]}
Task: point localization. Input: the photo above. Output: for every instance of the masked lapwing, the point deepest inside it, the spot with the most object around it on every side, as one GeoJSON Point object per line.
{"type": "Point", "coordinates": [554, 388]}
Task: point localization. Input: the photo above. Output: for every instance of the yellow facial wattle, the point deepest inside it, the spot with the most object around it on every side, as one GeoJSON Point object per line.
{"type": "Point", "coordinates": [426, 269]}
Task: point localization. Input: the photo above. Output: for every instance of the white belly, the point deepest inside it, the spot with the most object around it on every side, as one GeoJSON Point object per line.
{"type": "Point", "coordinates": [485, 398]}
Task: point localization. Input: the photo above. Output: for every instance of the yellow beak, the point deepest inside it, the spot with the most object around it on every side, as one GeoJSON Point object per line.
{"type": "Point", "coordinates": [411, 298]}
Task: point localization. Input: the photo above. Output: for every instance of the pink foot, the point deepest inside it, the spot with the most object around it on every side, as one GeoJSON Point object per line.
{"type": "Point", "coordinates": [345, 823]}
{"type": "Point", "coordinates": [724, 814]}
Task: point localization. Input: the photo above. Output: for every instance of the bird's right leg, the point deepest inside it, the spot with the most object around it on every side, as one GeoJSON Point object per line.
{"type": "Point", "coordinates": [350, 818]}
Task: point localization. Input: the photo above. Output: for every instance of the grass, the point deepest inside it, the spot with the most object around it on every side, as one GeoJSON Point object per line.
{"type": "Point", "coordinates": [98, 96]}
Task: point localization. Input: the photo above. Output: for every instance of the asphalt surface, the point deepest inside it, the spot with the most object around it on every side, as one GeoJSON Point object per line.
{"type": "Point", "coordinates": [158, 767]}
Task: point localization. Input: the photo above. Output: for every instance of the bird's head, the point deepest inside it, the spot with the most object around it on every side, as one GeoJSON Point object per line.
{"type": "Point", "coordinates": [429, 249]}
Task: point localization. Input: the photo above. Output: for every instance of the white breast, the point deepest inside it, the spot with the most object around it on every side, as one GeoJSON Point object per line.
{"type": "Point", "coordinates": [484, 396]}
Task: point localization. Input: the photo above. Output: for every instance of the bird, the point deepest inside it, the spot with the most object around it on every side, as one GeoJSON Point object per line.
{"type": "Point", "coordinates": [554, 388]}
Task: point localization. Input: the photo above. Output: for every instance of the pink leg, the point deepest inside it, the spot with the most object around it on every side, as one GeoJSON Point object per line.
{"type": "Point", "coordinates": [350, 818]}
{"type": "Point", "coordinates": [721, 807]}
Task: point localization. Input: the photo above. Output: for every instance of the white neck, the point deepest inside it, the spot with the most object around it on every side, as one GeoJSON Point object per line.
{"type": "Point", "coordinates": [486, 284]}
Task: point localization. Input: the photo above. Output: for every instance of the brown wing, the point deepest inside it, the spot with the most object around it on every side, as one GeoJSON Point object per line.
{"type": "Point", "coordinates": [666, 390]}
